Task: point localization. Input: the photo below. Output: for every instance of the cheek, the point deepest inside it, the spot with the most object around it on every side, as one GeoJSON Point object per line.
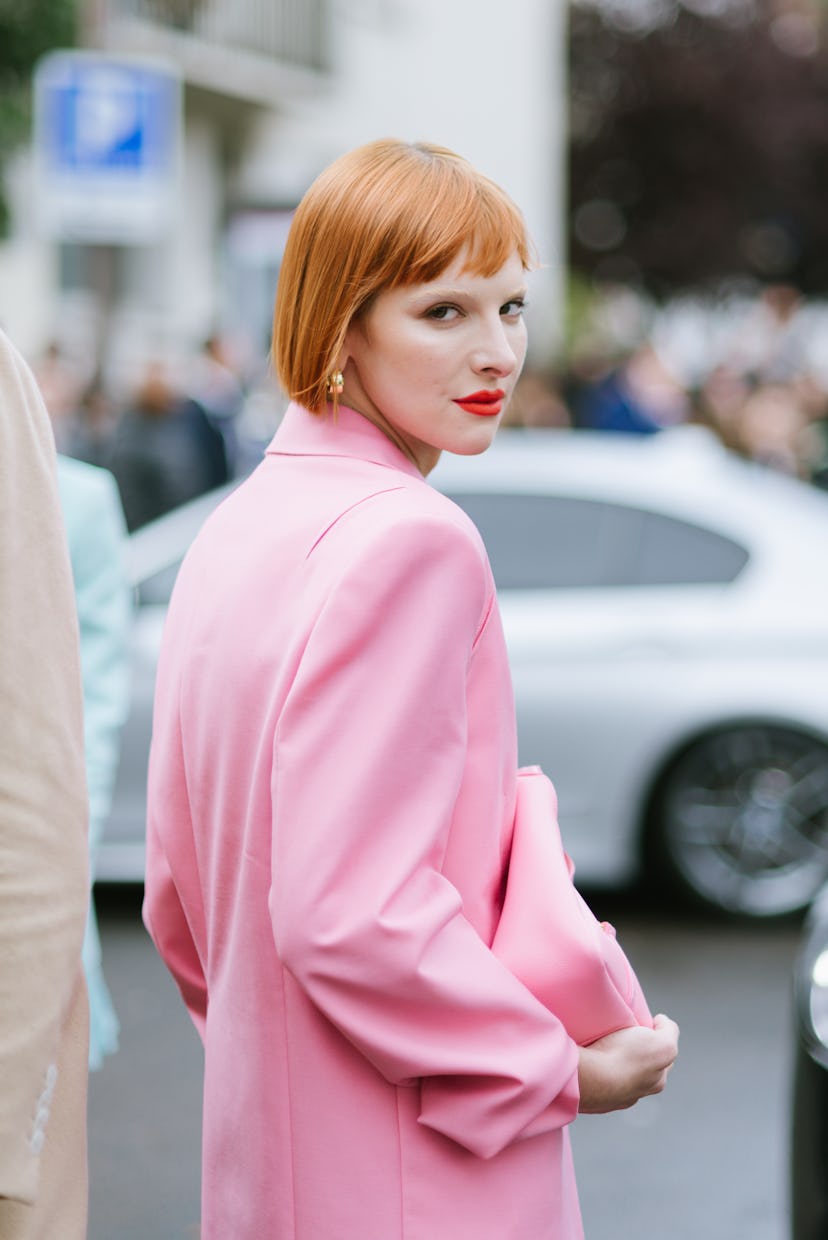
{"type": "Point", "coordinates": [521, 344]}
{"type": "Point", "coordinates": [423, 364]}
{"type": "Point", "coordinates": [438, 359]}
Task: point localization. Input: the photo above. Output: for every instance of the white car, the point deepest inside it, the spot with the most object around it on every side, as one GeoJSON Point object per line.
{"type": "Point", "coordinates": [667, 621]}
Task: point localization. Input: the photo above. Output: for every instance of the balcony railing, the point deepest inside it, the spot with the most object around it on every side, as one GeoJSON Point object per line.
{"type": "Point", "coordinates": [207, 35]}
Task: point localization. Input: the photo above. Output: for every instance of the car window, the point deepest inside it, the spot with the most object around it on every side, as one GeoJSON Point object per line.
{"type": "Point", "coordinates": [673, 551]}
{"type": "Point", "coordinates": [541, 542]}
{"type": "Point", "coordinates": [538, 542]}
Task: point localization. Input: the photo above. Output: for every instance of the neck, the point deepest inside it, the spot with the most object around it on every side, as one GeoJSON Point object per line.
{"type": "Point", "coordinates": [424, 460]}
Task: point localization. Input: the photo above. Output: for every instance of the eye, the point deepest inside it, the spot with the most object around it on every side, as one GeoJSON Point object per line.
{"type": "Point", "coordinates": [513, 309]}
{"type": "Point", "coordinates": [443, 313]}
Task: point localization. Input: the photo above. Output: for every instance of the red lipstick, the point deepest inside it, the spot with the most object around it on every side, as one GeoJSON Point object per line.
{"type": "Point", "coordinates": [484, 404]}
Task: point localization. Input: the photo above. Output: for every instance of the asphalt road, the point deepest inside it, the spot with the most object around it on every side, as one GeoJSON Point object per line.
{"type": "Point", "coordinates": [704, 1161]}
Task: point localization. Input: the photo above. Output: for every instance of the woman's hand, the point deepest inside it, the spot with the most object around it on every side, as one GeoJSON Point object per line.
{"type": "Point", "coordinates": [614, 1072]}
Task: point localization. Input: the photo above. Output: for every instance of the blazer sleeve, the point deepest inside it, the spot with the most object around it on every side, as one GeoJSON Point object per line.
{"type": "Point", "coordinates": [43, 858]}
{"type": "Point", "coordinates": [368, 761]}
{"type": "Point", "coordinates": [164, 913]}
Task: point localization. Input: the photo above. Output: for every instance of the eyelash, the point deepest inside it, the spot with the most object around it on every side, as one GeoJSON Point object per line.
{"type": "Point", "coordinates": [435, 311]}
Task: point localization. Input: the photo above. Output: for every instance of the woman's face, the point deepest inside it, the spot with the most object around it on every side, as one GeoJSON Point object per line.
{"type": "Point", "coordinates": [434, 365]}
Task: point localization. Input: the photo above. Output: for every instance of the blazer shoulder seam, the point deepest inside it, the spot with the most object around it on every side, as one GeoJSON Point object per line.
{"type": "Point", "coordinates": [363, 499]}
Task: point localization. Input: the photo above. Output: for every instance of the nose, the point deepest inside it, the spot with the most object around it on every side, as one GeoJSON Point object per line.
{"type": "Point", "coordinates": [499, 352]}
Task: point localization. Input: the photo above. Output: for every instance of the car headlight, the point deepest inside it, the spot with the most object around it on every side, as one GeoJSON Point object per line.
{"type": "Point", "coordinates": [811, 982]}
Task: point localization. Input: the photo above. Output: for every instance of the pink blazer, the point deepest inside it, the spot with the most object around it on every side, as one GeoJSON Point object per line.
{"type": "Point", "coordinates": [331, 793]}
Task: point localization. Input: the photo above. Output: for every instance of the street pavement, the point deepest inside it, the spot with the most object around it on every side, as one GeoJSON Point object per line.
{"type": "Point", "coordinates": [707, 1159]}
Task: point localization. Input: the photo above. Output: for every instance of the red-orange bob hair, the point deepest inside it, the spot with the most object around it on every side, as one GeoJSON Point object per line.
{"type": "Point", "coordinates": [386, 214]}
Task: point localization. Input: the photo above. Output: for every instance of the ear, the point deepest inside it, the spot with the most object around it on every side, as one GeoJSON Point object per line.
{"type": "Point", "coordinates": [354, 343]}
{"type": "Point", "coordinates": [347, 351]}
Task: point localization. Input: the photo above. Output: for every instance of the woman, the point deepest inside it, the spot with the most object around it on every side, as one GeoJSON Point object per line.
{"type": "Point", "coordinates": [332, 779]}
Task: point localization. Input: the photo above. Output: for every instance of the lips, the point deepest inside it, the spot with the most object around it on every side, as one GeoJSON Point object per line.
{"type": "Point", "coordinates": [483, 404]}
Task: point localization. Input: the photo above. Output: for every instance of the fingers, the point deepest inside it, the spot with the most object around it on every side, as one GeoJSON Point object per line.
{"type": "Point", "coordinates": [659, 1084]}
{"type": "Point", "coordinates": [618, 1070]}
{"type": "Point", "coordinates": [664, 1024]}
{"type": "Point", "coordinates": [668, 1032]}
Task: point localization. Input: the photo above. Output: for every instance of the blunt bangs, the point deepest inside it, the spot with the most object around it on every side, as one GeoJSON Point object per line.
{"type": "Point", "coordinates": [436, 207]}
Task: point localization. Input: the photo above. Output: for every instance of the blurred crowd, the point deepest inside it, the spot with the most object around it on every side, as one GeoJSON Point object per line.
{"type": "Point", "coordinates": [176, 431]}
{"type": "Point", "coordinates": [754, 371]}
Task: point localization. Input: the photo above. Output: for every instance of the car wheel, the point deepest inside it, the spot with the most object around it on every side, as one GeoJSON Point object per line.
{"type": "Point", "coordinates": [741, 820]}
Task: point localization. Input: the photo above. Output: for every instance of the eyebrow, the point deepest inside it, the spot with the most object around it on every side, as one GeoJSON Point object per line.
{"type": "Point", "coordinates": [448, 294]}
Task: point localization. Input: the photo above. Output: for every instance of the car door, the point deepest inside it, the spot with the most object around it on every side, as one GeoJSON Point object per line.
{"type": "Point", "coordinates": [610, 611]}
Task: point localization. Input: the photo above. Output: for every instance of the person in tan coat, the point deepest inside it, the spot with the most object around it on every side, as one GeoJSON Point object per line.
{"type": "Point", "coordinates": [43, 845]}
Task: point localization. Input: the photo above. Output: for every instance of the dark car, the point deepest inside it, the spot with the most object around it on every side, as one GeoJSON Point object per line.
{"type": "Point", "coordinates": [809, 1137]}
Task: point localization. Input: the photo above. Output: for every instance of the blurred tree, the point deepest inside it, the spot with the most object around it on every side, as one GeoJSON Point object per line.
{"type": "Point", "coordinates": [699, 142]}
{"type": "Point", "coordinates": [27, 31]}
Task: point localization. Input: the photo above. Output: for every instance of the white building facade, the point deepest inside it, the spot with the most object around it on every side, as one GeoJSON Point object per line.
{"type": "Point", "coordinates": [273, 90]}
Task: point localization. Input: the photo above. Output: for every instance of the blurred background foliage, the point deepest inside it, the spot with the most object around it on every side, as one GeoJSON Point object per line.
{"type": "Point", "coordinates": [698, 150]}
{"type": "Point", "coordinates": [27, 31]}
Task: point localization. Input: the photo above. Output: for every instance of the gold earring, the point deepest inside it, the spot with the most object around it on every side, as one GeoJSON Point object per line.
{"type": "Point", "coordinates": [336, 383]}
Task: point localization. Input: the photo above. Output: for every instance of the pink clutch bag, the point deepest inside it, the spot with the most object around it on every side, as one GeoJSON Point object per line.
{"type": "Point", "coordinates": [550, 938]}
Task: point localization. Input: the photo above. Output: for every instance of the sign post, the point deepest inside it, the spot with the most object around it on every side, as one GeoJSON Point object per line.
{"type": "Point", "coordinates": [107, 148]}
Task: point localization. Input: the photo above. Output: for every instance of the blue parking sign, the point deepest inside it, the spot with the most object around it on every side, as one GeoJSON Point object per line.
{"type": "Point", "coordinates": [107, 137]}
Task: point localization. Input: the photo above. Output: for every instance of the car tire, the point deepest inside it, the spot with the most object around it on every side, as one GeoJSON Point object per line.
{"type": "Point", "coordinates": [740, 820]}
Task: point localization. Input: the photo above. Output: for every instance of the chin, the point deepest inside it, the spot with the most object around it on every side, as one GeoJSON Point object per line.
{"type": "Point", "coordinates": [475, 449]}
{"type": "Point", "coordinates": [476, 443]}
